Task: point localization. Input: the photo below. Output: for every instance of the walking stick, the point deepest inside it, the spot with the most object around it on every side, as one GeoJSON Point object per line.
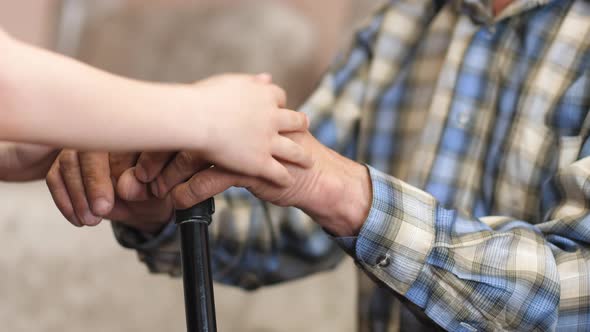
{"type": "Point", "coordinates": [196, 266]}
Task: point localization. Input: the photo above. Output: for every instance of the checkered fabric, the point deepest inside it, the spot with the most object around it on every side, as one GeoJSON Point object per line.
{"type": "Point", "coordinates": [475, 129]}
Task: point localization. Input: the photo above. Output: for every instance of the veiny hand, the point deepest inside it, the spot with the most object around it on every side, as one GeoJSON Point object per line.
{"type": "Point", "coordinates": [25, 162]}
{"type": "Point", "coordinates": [335, 191]}
{"type": "Point", "coordinates": [82, 185]}
{"type": "Point", "coordinates": [245, 130]}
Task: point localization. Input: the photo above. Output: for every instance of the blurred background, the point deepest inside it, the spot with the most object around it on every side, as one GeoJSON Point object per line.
{"type": "Point", "coordinates": [58, 278]}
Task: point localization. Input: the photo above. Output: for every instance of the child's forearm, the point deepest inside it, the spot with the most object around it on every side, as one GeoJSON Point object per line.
{"type": "Point", "coordinates": [50, 99]}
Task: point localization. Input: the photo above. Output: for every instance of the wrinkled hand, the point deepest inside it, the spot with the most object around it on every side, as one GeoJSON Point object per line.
{"type": "Point", "coordinates": [335, 191]}
{"type": "Point", "coordinates": [89, 186]}
{"type": "Point", "coordinates": [25, 162]}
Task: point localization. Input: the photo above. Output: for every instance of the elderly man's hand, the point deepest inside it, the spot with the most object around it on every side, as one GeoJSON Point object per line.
{"type": "Point", "coordinates": [82, 185]}
{"type": "Point", "coordinates": [25, 162]}
{"type": "Point", "coordinates": [335, 192]}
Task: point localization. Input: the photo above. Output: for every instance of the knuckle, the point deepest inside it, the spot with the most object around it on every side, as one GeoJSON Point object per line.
{"type": "Point", "coordinates": [185, 160]}
{"type": "Point", "coordinates": [49, 181]}
{"type": "Point", "coordinates": [51, 178]}
{"type": "Point", "coordinates": [68, 160]}
{"type": "Point", "coordinates": [96, 187]}
{"type": "Point", "coordinates": [91, 178]}
{"type": "Point", "coordinates": [146, 161]}
{"type": "Point", "coordinates": [197, 187]}
{"type": "Point", "coordinates": [67, 156]}
{"type": "Point", "coordinates": [52, 184]}
{"type": "Point", "coordinates": [180, 199]}
{"type": "Point", "coordinates": [95, 176]}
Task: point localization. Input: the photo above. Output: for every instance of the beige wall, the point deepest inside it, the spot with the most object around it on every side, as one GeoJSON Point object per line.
{"type": "Point", "coordinates": [27, 19]}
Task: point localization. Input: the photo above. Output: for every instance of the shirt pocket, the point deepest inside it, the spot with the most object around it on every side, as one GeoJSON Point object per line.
{"type": "Point", "coordinates": [528, 160]}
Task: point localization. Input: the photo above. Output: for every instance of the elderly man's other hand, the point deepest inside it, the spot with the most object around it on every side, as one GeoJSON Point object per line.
{"type": "Point", "coordinates": [25, 162]}
{"type": "Point", "coordinates": [82, 185]}
{"type": "Point", "coordinates": [335, 191]}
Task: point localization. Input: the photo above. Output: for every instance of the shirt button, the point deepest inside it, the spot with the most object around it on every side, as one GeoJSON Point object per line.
{"type": "Point", "coordinates": [462, 119]}
{"type": "Point", "coordinates": [383, 261]}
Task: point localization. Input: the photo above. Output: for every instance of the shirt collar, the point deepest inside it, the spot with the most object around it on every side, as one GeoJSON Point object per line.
{"type": "Point", "coordinates": [481, 11]}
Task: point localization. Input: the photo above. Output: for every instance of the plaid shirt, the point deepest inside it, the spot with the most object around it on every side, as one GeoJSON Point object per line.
{"type": "Point", "coordinates": [476, 132]}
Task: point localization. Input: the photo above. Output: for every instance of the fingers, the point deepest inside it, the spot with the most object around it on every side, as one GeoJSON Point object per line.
{"type": "Point", "coordinates": [59, 193]}
{"type": "Point", "coordinates": [201, 186]}
{"type": "Point", "coordinates": [279, 94]}
{"type": "Point", "coordinates": [291, 121]}
{"type": "Point", "coordinates": [71, 174]}
{"type": "Point", "coordinates": [150, 164]}
{"type": "Point", "coordinates": [121, 162]}
{"type": "Point", "coordinates": [129, 188]}
{"type": "Point", "coordinates": [96, 177]}
{"type": "Point", "coordinates": [181, 168]}
{"type": "Point", "coordinates": [275, 172]}
{"type": "Point", "coordinates": [264, 78]}
{"type": "Point", "coordinates": [285, 149]}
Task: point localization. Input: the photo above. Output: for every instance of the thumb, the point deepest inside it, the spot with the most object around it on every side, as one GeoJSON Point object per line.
{"type": "Point", "coordinates": [129, 188]}
{"type": "Point", "coordinates": [203, 185]}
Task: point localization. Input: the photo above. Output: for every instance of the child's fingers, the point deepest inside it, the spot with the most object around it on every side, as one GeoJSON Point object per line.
{"type": "Point", "coordinates": [59, 193]}
{"type": "Point", "coordinates": [290, 121]}
{"type": "Point", "coordinates": [279, 94]}
{"type": "Point", "coordinates": [277, 173]}
{"type": "Point", "coordinates": [201, 186]}
{"type": "Point", "coordinates": [71, 174]}
{"type": "Point", "coordinates": [264, 78]}
{"type": "Point", "coordinates": [181, 168]}
{"type": "Point", "coordinates": [150, 165]}
{"type": "Point", "coordinates": [285, 149]}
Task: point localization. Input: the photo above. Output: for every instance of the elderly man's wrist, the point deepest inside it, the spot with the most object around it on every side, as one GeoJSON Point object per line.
{"type": "Point", "coordinates": [341, 197]}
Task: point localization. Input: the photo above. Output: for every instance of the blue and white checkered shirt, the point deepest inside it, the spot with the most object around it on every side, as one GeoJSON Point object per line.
{"type": "Point", "coordinates": [476, 131]}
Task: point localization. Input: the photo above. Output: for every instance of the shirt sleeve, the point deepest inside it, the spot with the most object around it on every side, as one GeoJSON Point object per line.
{"type": "Point", "coordinates": [490, 273]}
{"type": "Point", "coordinates": [254, 243]}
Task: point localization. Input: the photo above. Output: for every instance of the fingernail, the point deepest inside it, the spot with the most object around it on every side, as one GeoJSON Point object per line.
{"type": "Point", "coordinates": [101, 207]}
{"type": "Point", "coordinates": [91, 220]}
{"type": "Point", "coordinates": [141, 174]}
{"type": "Point", "coordinates": [76, 222]}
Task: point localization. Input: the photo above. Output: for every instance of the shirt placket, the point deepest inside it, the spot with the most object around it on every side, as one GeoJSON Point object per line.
{"type": "Point", "coordinates": [438, 112]}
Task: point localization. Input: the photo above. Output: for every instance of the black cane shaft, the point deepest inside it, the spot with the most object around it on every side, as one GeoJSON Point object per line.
{"type": "Point", "coordinates": [196, 266]}
{"type": "Point", "coordinates": [198, 286]}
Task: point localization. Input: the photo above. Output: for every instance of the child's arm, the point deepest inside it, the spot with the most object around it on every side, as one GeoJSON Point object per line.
{"type": "Point", "coordinates": [51, 99]}
{"type": "Point", "coordinates": [234, 120]}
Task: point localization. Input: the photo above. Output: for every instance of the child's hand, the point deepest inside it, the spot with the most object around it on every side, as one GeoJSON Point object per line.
{"type": "Point", "coordinates": [182, 174]}
{"type": "Point", "coordinates": [244, 130]}
{"type": "Point", "coordinates": [25, 162]}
